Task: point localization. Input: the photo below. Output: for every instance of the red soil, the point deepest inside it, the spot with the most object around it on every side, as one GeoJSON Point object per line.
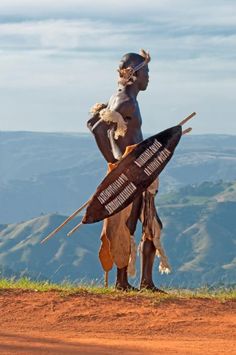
{"type": "Point", "coordinates": [49, 323]}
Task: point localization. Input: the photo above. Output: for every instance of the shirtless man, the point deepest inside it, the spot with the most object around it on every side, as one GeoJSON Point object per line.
{"type": "Point", "coordinates": [134, 77]}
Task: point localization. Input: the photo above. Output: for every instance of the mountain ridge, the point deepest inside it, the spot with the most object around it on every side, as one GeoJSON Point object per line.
{"type": "Point", "coordinates": [199, 240]}
{"type": "Point", "coordinates": [48, 172]}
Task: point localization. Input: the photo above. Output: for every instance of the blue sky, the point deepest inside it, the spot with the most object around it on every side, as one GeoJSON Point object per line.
{"type": "Point", "coordinates": [58, 58]}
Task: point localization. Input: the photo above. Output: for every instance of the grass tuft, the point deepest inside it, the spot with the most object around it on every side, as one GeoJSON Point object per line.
{"type": "Point", "coordinates": [25, 284]}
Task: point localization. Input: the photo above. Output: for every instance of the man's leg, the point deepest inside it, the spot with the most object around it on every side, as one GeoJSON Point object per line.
{"type": "Point", "coordinates": [148, 252]}
{"type": "Point", "coordinates": [122, 275]}
{"type": "Point", "coordinates": [122, 280]}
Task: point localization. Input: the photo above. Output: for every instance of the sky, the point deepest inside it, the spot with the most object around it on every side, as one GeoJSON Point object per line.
{"type": "Point", "coordinates": [58, 58]}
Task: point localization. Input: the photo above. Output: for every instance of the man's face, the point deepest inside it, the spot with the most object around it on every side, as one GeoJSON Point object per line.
{"type": "Point", "coordinates": [143, 77]}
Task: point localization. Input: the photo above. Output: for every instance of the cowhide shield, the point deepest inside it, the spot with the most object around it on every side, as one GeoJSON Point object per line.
{"type": "Point", "coordinates": [133, 174]}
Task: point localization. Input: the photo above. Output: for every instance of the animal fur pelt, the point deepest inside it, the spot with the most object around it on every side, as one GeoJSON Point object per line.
{"type": "Point", "coordinates": [109, 116]}
{"type": "Point", "coordinates": [152, 226]}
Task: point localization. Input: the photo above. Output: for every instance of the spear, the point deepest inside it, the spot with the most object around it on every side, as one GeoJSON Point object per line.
{"type": "Point", "coordinates": [187, 119]}
{"type": "Point", "coordinates": [65, 222]}
{"type": "Point", "coordinates": [184, 132]}
{"type": "Point", "coordinates": [86, 203]}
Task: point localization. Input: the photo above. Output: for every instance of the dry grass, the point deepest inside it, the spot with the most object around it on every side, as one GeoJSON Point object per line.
{"type": "Point", "coordinates": [26, 284]}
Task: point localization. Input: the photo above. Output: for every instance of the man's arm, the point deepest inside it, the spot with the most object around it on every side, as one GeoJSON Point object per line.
{"type": "Point", "coordinates": [104, 132]}
{"type": "Point", "coordinates": [100, 132]}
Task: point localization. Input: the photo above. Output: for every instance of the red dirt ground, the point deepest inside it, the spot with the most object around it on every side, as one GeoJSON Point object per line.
{"type": "Point", "coordinates": [50, 323]}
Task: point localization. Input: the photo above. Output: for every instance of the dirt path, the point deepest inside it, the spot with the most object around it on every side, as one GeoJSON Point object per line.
{"type": "Point", "coordinates": [49, 323]}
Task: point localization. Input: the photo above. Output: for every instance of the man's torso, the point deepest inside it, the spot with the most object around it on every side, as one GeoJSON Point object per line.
{"type": "Point", "coordinates": [129, 109]}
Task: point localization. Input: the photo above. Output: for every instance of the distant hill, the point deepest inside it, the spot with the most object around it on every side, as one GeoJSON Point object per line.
{"type": "Point", "coordinates": [200, 233]}
{"type": "Point", "coordinates": [199, 237]}
{"type": "Point", "coordinates": [57, 172]}
{"type": "Point", "coordinates": [60, 259]}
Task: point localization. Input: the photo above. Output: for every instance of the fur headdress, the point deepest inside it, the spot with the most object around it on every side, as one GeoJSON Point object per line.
{"type": "Point", "coordinates": [126, 75]}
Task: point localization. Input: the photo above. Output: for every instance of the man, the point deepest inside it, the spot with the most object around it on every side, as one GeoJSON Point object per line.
{"type": "Point", "coordinates": [116, 127]}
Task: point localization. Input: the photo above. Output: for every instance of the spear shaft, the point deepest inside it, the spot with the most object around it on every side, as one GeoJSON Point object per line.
{"type": "Point", "coordinates": [86, 203]}
{"type": "Point", "coordinates": [187, 119]}
{"type": "Point", "coordinates": [65, 222]}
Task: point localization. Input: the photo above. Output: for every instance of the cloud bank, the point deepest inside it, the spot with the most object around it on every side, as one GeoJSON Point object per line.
{"type": "Point", "coordinates": [58, 58]}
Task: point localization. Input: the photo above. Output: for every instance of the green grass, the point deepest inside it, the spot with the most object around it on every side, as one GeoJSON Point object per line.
{"type": "Point", "coordinates": [25, 284]}
{"type": "Point", "coordinates": [204, 193]}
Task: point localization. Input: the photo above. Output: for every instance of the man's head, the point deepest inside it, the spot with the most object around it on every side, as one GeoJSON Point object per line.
{"type": "Point", "coordinates": [133, 68]}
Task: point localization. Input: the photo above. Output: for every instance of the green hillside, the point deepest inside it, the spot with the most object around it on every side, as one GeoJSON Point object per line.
{"type": "Point", "coordinates": [199, 237]}
{"type": "Point", "coordinates": [206, 192]}
{"type": "Point", "coordinates": [200, 232]}
{"type": "Point", "coordinates": [57, 172]}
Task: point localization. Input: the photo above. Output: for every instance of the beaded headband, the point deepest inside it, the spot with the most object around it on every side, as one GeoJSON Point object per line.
{"type": "Point", "coordinates": [126, 75]}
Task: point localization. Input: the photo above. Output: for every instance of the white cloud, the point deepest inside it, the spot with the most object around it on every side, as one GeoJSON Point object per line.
{"type": "Point", "coordinates": [90, 6]}
{"type": "Point", "coordinates": [59, 57]}
{"type": "Point", "coordinates": [64, 34]}
{"type": "Point", "coordinates": [87, 35]}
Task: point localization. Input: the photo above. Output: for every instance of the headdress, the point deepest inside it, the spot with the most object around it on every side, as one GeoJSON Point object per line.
{"type": "Point", "coordinates": [126, 75]}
